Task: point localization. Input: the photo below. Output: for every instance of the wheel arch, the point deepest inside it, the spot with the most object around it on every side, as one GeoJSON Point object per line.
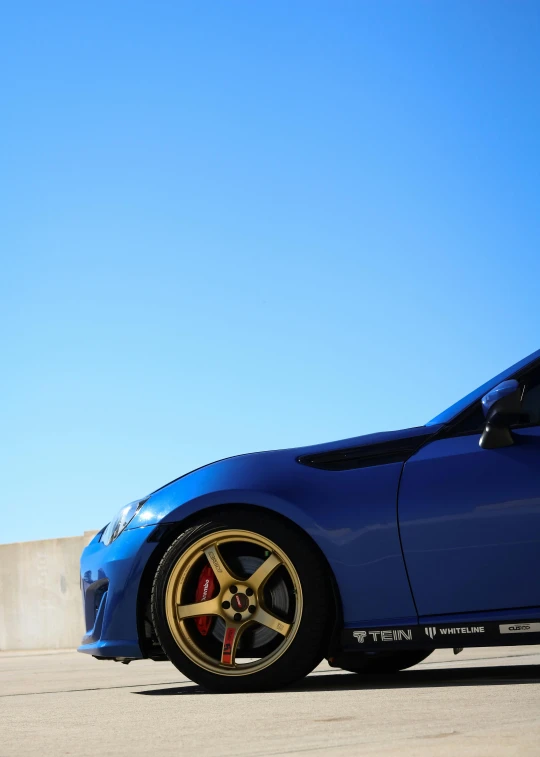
{"type": "Point", "coordinates": [166, 533]}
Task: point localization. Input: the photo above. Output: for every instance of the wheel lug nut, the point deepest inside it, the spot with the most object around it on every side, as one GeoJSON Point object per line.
{"type": "Point", "coordinates": [225, 605]}
{"type": "Point", "coordinates": [249, 592]}
{"type": "Point", "coordinates": [252, 609]}
{"type": "Point", "coordinates": [237, 617]}
{"type": "Point", "coordinates": [233, 589]}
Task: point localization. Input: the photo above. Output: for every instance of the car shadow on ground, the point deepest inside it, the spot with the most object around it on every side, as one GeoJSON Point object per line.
{"type": "Point", "coordinates": [502, 675]}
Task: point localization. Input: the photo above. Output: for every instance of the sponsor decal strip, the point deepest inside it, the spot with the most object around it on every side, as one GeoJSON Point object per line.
{"type": "Point", "coordinates": [440, 635]}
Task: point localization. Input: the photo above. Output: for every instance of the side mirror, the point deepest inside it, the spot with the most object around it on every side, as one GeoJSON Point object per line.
{"type": "Point", "coordinates": [501, 406]}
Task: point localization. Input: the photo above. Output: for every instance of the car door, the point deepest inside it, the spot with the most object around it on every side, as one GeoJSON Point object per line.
{"type": "Point", "coordinates": [470, 517]}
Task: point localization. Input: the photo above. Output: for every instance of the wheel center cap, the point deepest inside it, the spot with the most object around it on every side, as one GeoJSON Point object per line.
{"type": "Point", "coordinates": [239, 602]}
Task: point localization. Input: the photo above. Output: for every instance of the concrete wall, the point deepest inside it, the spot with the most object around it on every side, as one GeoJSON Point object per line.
{"type": "Point", "coordinates": [40, 596]}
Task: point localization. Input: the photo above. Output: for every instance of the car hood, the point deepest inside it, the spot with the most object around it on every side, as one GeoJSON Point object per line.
{"type": "Point", "coordinates": [314, 450]}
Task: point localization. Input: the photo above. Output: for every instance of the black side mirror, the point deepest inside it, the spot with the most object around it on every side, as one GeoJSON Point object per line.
{"type": "Point", "coordinates": [502, 409]}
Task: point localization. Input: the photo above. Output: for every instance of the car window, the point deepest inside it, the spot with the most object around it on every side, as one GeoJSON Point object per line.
{"type": "Point", "coordinates": [471, 422]}
{"type": "Point", "coordinates": [531, 401]}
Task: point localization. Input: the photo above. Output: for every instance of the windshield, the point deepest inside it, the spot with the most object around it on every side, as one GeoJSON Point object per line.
{"type": "Point", "coordinates": [447, 415]}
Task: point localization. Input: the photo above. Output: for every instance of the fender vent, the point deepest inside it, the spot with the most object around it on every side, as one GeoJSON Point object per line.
{"type": "Point", "coordinates": [394, 451]}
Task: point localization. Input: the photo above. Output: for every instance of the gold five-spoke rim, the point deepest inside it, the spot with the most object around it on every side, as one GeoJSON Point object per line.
{"type": "Point", "coordinates": [180, 609]}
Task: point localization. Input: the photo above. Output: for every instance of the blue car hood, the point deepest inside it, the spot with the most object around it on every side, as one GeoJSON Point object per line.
{"type": "Point", "coordinates": [379, 437]}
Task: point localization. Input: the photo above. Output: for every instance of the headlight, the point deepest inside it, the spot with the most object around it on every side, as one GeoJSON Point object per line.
{"type": "Point", "coordinates": [121, 520]}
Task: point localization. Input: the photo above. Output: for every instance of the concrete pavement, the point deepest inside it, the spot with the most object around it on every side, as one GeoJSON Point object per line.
{"type": "Point", "coordinates": [482, 702]}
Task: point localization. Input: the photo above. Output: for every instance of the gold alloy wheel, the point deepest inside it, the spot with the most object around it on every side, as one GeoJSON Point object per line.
{"type": "Point", "coordinates": [239, 602]}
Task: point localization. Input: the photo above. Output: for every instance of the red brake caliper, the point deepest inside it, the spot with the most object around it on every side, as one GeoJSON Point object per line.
{"type": "Point", "coordinates": [206, 589]}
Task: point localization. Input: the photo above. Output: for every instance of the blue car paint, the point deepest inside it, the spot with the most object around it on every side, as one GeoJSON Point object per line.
{"type": "Point", "coordinates": [112, 631]}
{"type": "Point", "coordinates": [352, 515]}
{"type": "Point", "coordinates": [470, 618]}
{"type": "Point", "coordinates": [470, 520]}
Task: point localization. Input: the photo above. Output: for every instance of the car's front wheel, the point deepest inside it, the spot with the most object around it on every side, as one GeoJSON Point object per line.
{"type": "Point", "coordinates": [242, 602]}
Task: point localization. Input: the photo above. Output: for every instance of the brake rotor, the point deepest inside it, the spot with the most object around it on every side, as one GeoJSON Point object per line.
{"type": "Point", "coordinates": [277, 599]}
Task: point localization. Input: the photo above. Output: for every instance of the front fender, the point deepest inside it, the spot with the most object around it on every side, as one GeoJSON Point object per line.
{"type": "Point", "coordinates": [351, 516]}
{"type": "Point", "coordinates": [269, 480]}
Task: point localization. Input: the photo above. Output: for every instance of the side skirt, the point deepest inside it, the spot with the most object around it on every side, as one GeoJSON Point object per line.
{"type": "Point", "coordinates": [442, 635]}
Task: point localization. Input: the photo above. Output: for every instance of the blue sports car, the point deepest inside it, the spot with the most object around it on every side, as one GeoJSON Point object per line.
{"type": "Point", "coordinates": [371, 552]}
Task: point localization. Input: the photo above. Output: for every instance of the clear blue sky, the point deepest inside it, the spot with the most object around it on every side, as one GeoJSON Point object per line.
{"type": "Point", "coordinates": [234, 226]}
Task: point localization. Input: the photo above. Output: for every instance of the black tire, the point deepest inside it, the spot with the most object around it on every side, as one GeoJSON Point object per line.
{"type": "Point", "coordinates": [312, 627]}
{"type": "Point", "coordinates": [383, 662]}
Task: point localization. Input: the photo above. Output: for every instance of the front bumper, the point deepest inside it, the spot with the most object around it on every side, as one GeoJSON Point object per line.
{"type": "Point", "coordinates": [110, 579]}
